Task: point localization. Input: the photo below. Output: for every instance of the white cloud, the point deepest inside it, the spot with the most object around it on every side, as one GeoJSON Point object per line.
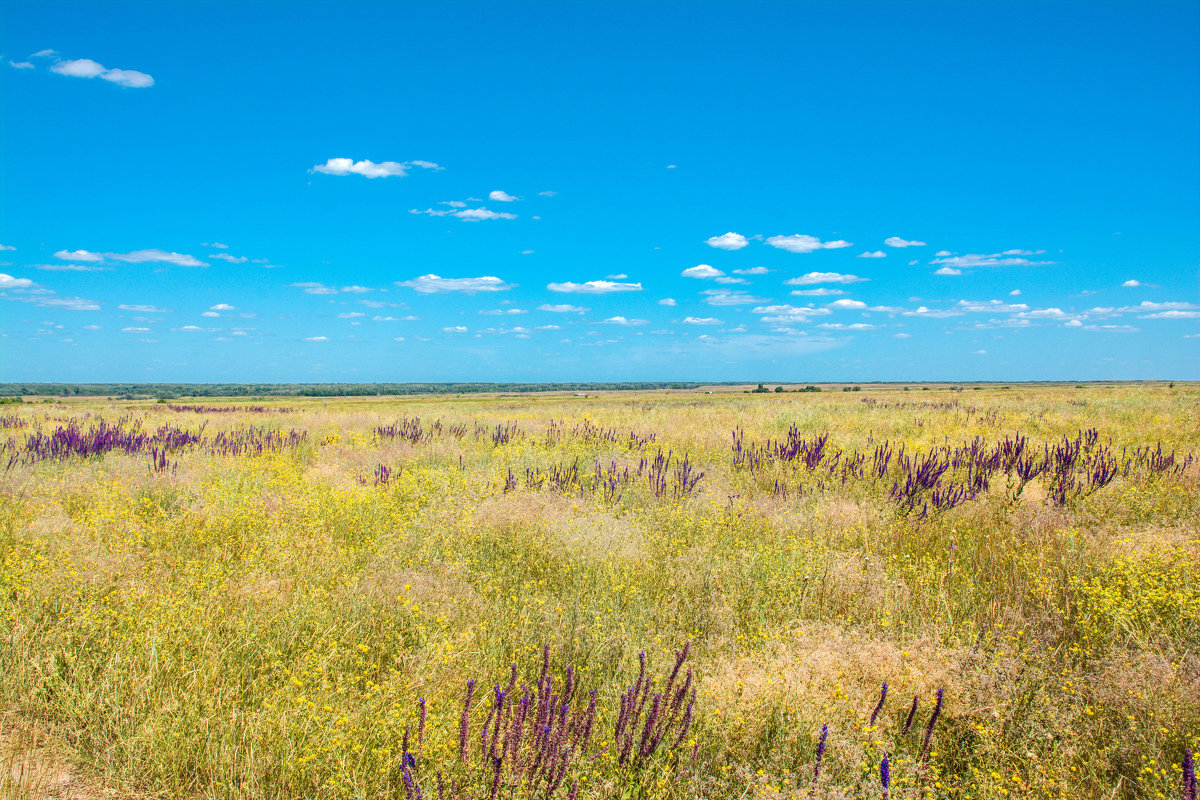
{"type": "Point", "coordinates": [667, 301]}
{"type": "Point", "coordinates": [727, 241]}
{"type": "Point", "coordinates": [803, 243]}
{"type": "Point", "coordinates": [992, 260]}
{"type": "Point", "coordinates": [701, 321]}
{"type": "Point", "coordinates": [144, 309]}
{"type": "Point", "coordinates": [433, 284]}
{"type": "Point", "coordinates": [594, 287]}
{"type": "Point", "coordinates": [70, 268]}
{"type": "Point", "coordinates": [466, 214]}
{"type": "Point", "coordinates": [990, 306]}
{"type": "Point", "coordinates": [501, 196]}
{"type": "Point", "coordinates": [845, 304]}
{"type": "Point", "coordinates": [497, 312]}
{"type": "Point", "coordinates": [78, 255]}
{"type": "Point", "coordinates": [1074, 324]}
{"type": "Point", "coordinates": [873, 254]}
{"type": "Point", "coordinates": [702, 271]}
{"type": "Point", "coordinates": [1131, 284]}
{"type": "Point", "coordinates": [370, 169]}
{"type": "Point", "coordinates": [416, 162]}
{"type": "Point", "coordinates": [854, 326]}
{"type": "Point", "coordinates": [562, 308]}
{"type": "Point", "coordinates": [1022, 252]}
{"type": "Point", "coordinates": [948, 271]}
{"type": "Point", "coordinates": [724, 297]}
{"type": "Point", "coordinates": [620, 276]}
{"type": "Point", "coordinates": [901, 335]}
{"type": "Point", "coordinates": [548, 328]}
{"type": "Point", "coordinates": [942, 253]}
{"type": "Point", "coordinates": [981, 352]}
{"type": "Point", "coordinates": [914, 262]}
{"type": "Point", "coordinates": [933, 313]}
{"type": "Point", "coordinates": [312, 287]}
{"type": "Point", "coordinates": [9, 282]}
{"type": "Point", "coordinates": [1148, 306]}
{"type": "Point", "coordinates": [135, 330]}
{"type": "Point", "coordinates": [209, 314]}
{"type": "Point", "coordinates": [222, 307]}
{"type": "Point", "coordinates": [752, 271]}
{"type": "Point", "coordinates": [1173, 314]}
{"type": "Point", "coordinates": [7, 247]}
{"type": "Point", "coordinates": [455, 329]}
{"type": "Point", "coordinates": [1111, 328]}
{"type": "Point", "coordinates": [823, 277]}
{"type": "Point", "coordinates": [1015, 293]}
{"type": "Point", "coordinates": [135, 257]}
{"type": "Point", "coordinates": [215, 245]}
{"type": "Point", "coordinates": [548, 193]}
{"type": "Point", "coordinates": [896, 241]}
{"type": "Point", "coordinates": [351, 315]}
{"type": "Point", "coordinates": [357, 289]}
{"type": "Point", "coordinates": [624, 321]}
{"type": "Point", "coordinates": [822, 292]}
{"type": "Point", "coordinates": [229, 258]}
{"type": "Point", "coordinates": [190, 328]}
{"type": "Point", "coordinates": [20, 65]}
{"type": "Point", "coordinates": [316, 338]}
{"type": "Point", "coordinates": [86, 68]}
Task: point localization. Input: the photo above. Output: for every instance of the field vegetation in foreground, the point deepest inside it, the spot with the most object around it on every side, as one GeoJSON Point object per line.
{"type": "Point", "coordinates": [287, 598]}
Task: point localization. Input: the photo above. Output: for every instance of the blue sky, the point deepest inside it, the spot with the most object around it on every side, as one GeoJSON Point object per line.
{"type": "Point", "coordinates": [599, 191]}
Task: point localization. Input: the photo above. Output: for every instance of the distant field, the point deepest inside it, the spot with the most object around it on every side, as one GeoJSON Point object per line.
{"type": "Point", "coordinates": [282, 598]}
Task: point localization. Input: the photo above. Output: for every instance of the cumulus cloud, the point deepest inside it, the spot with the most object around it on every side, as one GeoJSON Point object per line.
{"type": "Point", "coordinates": [152, 255]}
{"type": "Point", "coordinates": [229, 258]}
{"type": "Point", "coordinates": [562, 308]}
{"type": "Point", "coordinates": [455, 329]}
{"type": "Point", "coordinates": [841, 326]}
{"type": "Point", "coordinates": [947, 271]}
{"type": "Point", "coordinates": [1131, 284]}
{"type": "Point", "coordinates": [594, 287]}
{"type": "Point", "coordinates": [803, 243]}
{"type": "Point", "coordinates": [727, 241]}
{"type": "Point", "coordinates": [702, 271]}
{"type": "Point", "coordinates": [873, 254]}
{"type": "Point", "coordinates": [725, 297]}
{"type": "Point", "coordinates": [844, 304]}
{"type": "Point", "coordinates": [752, 271]}
{"type": "Point", "coordinates": [351, 315]}
{"type": "Point", "coordinates": [312, 287]}
{"type": "Point", "coordinates": [466, 214]}
{"type": "Point", "coordinates": [316, 338]}
{"type": "Point", "coordinates": [9, 282]}
{"type": "Point", "coordinates": [357, 289]}
{"type": "Point", "coordinates": [433, 284]}
{"type": "Point", "coordinates": [990, 306]}
{"type": "Point", "coordinates": [1172, 314]}
{"type": "Point", "coordinates": [222, 307]}
{"type": "Point", "coordinates": [87, 68]}
{"type": "Point", "coordinates": [144, 309]}
{"type": "Point", "coordinates": [821, 292]}
{"type": "Point", "coordinates": [7, 247]}
{"type": "Point", "coordinates": [823, 277]}
{"type": "Point", "coordinates": [942, 253]}
{"type": "Point", "coordinates": [215, 245]}
{"type": "Point", "coordinates": [667, 301]}
{"type": "Point", "coordinates": [896, 241]}
{"type": "Point", "coordinates": [701, 321]}
{"type": "Point", "coordinates": [501, 196]}
{"type": "Point", "coordinates": [989, 260]}
{"type": "Point", "coordinates": [624, 321]}
{"type": "Point", "coordinates": [370, 169]}
{"type": "Point", "coordinates": [498, 312]}
{"type": "Point", "coordinates": [1147, 306]}
{"type": "Point", "coordinates": [70, 268]}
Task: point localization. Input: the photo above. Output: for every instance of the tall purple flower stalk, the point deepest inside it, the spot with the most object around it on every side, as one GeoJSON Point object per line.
{"type": "Point", "coordinates": [879, 705]}
{"type": "Point", "coordinates": [820, 755]}
{"type": "Point", "coordinates": [933, 718]}
{"type": "Point", "coordinates": [885, 776]}
{"type": "Point", "coordinates": [1189, 775]}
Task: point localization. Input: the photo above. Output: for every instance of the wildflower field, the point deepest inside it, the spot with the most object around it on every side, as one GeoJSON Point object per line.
{"type": "Point", "coordinates": [941, 593]}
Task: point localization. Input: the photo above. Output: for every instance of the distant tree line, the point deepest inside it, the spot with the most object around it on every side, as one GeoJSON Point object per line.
{"type": "Point", "coordinates": [173, 390]}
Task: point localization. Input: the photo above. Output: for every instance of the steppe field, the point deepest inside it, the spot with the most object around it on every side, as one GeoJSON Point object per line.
{"type": "Point", "coordinates": [927, 592]}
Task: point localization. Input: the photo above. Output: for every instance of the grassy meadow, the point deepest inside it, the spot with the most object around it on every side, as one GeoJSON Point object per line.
{"type": "Point", "coordinates": [221, 611]}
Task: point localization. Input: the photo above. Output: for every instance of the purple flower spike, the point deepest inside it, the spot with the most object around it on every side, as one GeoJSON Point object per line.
{"type": "Point", "coordinates": [820, 754]}
{"type": "Point", "coordinates": [1189, 775]}
{"type": "Point", "coordinates": [885, 775]}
